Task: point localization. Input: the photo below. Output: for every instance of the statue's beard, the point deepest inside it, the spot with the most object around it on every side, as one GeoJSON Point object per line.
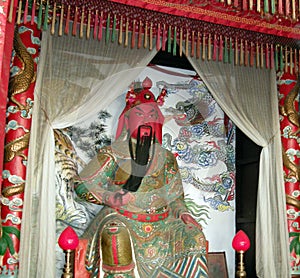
{"type": "Point", "coordinates": [140, 160]}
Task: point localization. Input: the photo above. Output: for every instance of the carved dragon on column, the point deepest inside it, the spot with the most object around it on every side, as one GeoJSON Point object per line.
{"type": "Point", "coordinates": [290, 128]}
{"type": "Point", "coordinates": [18, 124]}
{"type": "Point", "coordinates": [289, 111]}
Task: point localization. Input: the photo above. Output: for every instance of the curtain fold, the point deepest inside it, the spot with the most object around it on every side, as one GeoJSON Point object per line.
{"type": "Point", "coordinates": [249, 97]}
{"type": "Point", "coordinates": [76, 79]}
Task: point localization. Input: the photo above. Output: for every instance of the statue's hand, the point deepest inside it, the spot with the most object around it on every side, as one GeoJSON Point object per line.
{"type": "Point", "coordinates": [119, 198]}
{"type": "Point", "coordinates": [188, 219]}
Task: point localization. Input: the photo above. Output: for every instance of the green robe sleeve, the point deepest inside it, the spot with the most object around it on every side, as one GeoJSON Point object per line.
{"type": "Point", "coordinates": [93, 184]}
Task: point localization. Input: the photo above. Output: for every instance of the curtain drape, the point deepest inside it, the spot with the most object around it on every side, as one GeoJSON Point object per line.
{"type": "Point", "coordinates": [249, 97]}
{"type": "Point", "coordinates": [76, 79]}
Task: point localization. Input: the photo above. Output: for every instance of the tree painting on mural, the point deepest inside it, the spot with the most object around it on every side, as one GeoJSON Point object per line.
{"type": "Point", "coordinates": [91, 139]}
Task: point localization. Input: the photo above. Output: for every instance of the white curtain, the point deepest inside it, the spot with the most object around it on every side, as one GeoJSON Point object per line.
{"type": "Point", "coordinates": [249, 97]}
{"type": "Point", "coordinates": [76, 78]}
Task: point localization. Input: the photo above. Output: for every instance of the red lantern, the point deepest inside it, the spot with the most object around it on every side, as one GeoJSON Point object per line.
{"type": "Point", "coordinates": [68, 239]}
{"type": "Point", "coordinates": [241, 241]}
{"type": "Point", "coordinates": [241, 244]}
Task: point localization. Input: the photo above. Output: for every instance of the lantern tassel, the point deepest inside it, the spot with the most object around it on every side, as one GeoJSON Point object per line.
{"type": "Point", "coordinates": [261, 56]}
{"type": "Point", "coordinates": [291, 62]}
{"type": "Point", "coordinates": [203, 47]}
{"type": "Point", "coordinates": [146, 36]}
{"type": "Point", "coordinates": [19, 12]}
{"type": "Point", "coordinates": [120, 41]}
{"type": "Point", "coordinates": [45, 25]}
{"type": "Point", "coordinates": [74, 27]}
{"type": "Point", "coordinates": [140, 35]}
{"type": "Point", "coordinates": [251, 55]}
{"type": "Point", "coordinates": [158, 37]}
{"type": "Point", "coordinates": [175, 41]}
{"type": "Point", "coordinates": [267, 56]}
{"type": "Point", "coordinates": [246, 54]}
{"type": "Point", "coordinates": [242, 53]}
{"type": "Point", "coordinates": [32, 12]}
{"type": "Point", "coordinates": [169, 40]}
{"type": "Point", "coordinates": [215, 47]}
{"type": "Point", "coordinates": [133, 34]}
{"type": "Point", "coordinates": [95, 24]}
{"type": "Point", "coordinates": [209, 47]}
{"type": "Point", "coordinates": [164, 38]}
{"type": "Point", "coordinates": [100, 30]}
{"type": "Point", "coordinates": [67, 20]}
{"type": "Point", "coordinates": [11, 11]}
{"type": "Point", "coordinates": [88, 29]}
{"type": "Point", "coordinates": [61, 19]}
{"type": "Point", "coordinates": [151, 37]}
{"type": "Point", "coordinates": [198, 46]}
{"type": "Point", "coordinates": [231, 53]}
{"type": "Point", "coordinates": [114, 29]}
{"type": "Point", "coordinates": [107, 29]}
{"type": "Point", "coordinates": [126, 33]}
{"type": "Point", "coordinates": [221, 49]}
{"type": "Point", "coordinates": [180, 42]}
{"type": "Point", "coordinates": [257, 55]}
{"type": "Point", "coordinates": [53, 19]}
{"type": "Point", "coordinates": [295, 61]}
{"type": "Point", "coordinates": [25, 12]}
{"type": "Point", "coordinates": [40, 14]}
{"type": "Point", "coordinates": [272, 56]}
{"type": "Point", "coordinates": [193, 44]}
{"type": "Point", "coordinates": [225, 55]}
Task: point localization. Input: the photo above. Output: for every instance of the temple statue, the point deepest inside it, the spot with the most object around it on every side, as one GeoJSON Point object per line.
{"type": "Point", "coordinates": [144, 228]}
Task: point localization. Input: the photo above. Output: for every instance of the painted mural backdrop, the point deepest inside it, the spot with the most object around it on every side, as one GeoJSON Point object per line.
{"type": "Point", "coordinates": [195, 130]}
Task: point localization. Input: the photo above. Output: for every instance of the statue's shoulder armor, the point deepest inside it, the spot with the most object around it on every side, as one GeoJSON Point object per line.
{"type": "Point", "coordinates": [103, 160]}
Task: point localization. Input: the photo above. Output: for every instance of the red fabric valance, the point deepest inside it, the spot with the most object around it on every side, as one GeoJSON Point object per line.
{"type": "Point", "coordinates": [215, 30]}
{"type": "Point", "coordinates": [268, 17]}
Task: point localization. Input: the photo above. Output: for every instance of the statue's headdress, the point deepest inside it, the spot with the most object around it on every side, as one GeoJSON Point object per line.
{"type": "Point", "coordinates": [141, 94]}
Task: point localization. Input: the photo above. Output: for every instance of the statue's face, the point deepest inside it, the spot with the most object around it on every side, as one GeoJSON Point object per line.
{"type": "Point", "coordinates": [143, 114]}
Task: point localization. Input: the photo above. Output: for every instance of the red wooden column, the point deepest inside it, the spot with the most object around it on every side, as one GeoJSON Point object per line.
{"type": "Point", "coordinates": [6, 42]}
{"type": "Point", "coordinates": [18, 123]}
{"type": "Point", "coordinates": [288, 89]}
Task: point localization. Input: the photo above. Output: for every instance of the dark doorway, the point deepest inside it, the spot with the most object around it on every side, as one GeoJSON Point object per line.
{"type": "Point", "coordinates": [247, 167]}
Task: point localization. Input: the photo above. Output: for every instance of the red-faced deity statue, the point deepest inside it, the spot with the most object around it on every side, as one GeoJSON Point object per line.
{"type": "Point", "coordinates": [142, 109]}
